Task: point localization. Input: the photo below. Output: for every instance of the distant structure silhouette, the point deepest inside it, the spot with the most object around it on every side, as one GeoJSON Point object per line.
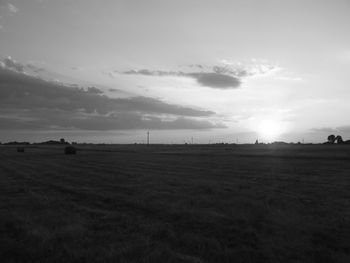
{"type": "Point", "coordinates": [256, 142]}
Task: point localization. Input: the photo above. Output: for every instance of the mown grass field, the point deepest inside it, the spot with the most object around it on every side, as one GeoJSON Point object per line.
{"type": "Point", "coordinates": [189, 203]}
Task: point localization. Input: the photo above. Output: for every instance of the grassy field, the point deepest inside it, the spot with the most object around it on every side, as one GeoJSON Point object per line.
{"type": "Point", "coordinates": [189, 203]}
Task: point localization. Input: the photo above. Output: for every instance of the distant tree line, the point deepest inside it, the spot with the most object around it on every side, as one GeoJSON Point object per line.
{"type": "Point", "coordinates": [50, 142]}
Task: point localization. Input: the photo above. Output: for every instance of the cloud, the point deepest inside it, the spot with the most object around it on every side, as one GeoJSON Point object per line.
{"type": "Point", "coordinates": [94, 90]}
{"type": "Point", "coordinates": [34, 68]}
{"type": "Point", "coordinates": [28, 92]}
{"type": "Point", "coordinates": [216, 80]}
{"type": "Point", "coordinates": [207, 79]}
{"type": "Point", "coordinates": [12, 8]}
{"type": "Point", "coordinates": [29, 67]}
{"type": "Point", "coordinates": [325, 129]}
{"type": "Point", "coordinates": [339, 129]}
{"type": "Point", "coordinates": [252, 68]}
{"type": "Point", "coordinates": [12, 64]}
{"type": "Point", "coordinates": [118, 121]}
{"type": "Point", "coordinates": [77, 68]}
{"type": "Point", "coordinates": [28, 102]}
{"type": "Point", "coordinates": [224, 76]}
{"type": "Point", "coordinates": [7, 9]}
{"type": "Point", "coordinates": [344, 128]}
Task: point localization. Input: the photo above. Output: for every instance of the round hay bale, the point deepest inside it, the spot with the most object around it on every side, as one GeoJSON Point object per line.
{"type": "Point", "coordinates": [70, 150]}
{"type": "Point", "coordinates": [20, 149]}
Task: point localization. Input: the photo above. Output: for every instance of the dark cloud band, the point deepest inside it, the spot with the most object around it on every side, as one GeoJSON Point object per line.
{"type": "Point", "coordinates": [29, 102]}
{"type": "Point", "coordinates": [215, 80]}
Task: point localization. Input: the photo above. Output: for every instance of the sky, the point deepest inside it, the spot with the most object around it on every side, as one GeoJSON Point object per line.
{"type": "Point", "coordinates": [209, 71]}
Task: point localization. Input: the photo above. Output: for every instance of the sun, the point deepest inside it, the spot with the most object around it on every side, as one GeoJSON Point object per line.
{"type": "Point", "coordinates": [270, 129]}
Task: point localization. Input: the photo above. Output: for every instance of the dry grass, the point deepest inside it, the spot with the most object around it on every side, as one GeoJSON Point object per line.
{"type": "Point", "coordinates": [217, 203]}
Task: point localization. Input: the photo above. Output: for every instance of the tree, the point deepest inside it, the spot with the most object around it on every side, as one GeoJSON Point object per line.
{"type": "Point", "coordinates": [331, 138]}
{"type": "Point", "coordinates": [339, 139]}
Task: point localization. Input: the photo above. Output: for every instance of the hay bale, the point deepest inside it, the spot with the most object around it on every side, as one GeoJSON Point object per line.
{"type": "Point", "coordinates": [20, 149]}
{"type": "Point", "coordinates": [70, 150]}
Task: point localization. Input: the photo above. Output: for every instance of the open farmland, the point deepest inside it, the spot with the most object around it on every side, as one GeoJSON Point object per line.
{"type": "Point", "coordinates": [185, 203]}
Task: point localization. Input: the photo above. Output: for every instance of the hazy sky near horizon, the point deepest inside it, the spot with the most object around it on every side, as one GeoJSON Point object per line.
{"type": "Point", "coordinates": [213, 70]}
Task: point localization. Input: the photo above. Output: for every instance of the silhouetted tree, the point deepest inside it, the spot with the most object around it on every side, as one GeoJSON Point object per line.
{"type": "Point", "coordinates": [331, 138]}
{"type": "Point", "coordinates": [339, 139]}
{"type": "Point", "coordinates": [335, 139]}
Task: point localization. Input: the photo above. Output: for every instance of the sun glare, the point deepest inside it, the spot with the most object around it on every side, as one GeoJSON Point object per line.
{"type": "Point", "coordinates": [270, 129]}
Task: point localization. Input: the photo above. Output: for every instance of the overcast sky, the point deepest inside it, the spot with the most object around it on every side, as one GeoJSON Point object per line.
{"type": "Point", "coordinates": [109, 70]}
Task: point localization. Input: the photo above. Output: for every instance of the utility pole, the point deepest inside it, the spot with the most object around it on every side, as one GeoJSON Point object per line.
{"type": "Point", "coordinates": [147, 137]}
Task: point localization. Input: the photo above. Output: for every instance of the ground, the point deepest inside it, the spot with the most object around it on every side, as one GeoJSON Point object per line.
{"type": "Point", "coordinates": [175, 203]}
